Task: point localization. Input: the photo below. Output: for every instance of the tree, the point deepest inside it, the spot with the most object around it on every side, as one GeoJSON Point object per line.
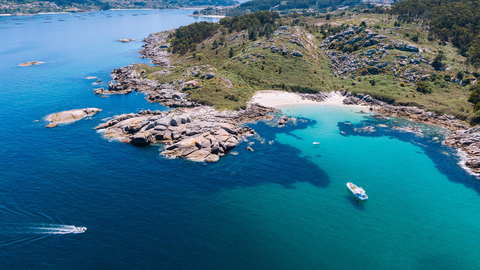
{"type": "Point", "coordinates": [475, 95]}
{"type": "Point", "coordinates": [105, 6]}
{"type": "Point", "coordinates": [474, 52]}
{"type": "Point", "coordinates": [437, 61]}
{"type": "Point", "coordinates": [252, 34]}
{"type": "Point", "coordinates": [230, 53]}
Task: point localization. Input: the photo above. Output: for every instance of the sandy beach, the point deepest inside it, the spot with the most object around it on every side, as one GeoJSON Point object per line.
{"type": "Point", "coordinates": [281, 99]}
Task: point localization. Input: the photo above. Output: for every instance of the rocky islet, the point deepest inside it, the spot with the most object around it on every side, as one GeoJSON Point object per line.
{"type": "Point", "coordinates": [70, 116]}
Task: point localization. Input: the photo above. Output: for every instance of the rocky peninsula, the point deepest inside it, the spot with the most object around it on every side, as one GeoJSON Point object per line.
{"type": "Point", "coordinates": [192, 131]}
{"type": "Point", "coordinates": [198, 132]}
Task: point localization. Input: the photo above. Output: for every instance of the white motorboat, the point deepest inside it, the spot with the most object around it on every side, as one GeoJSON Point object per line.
{"type": "Point", "coordinates": [357, 191]}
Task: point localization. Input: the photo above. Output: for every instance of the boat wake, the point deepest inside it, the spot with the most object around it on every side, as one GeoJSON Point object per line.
{"type": "Point", "coordinates": [40, 228]}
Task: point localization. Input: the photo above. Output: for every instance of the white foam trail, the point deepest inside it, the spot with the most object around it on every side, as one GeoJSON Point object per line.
{"type": "Point", "coordinates": [40, 229]}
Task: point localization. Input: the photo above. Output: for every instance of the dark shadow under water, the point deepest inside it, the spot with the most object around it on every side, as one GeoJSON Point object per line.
{"type": "Point", "coordinates": [354, 202]}
{"type": "Point", "coordinates": [269, 163]}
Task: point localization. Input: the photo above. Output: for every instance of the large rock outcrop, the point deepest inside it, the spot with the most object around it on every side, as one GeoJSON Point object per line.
{"type": "Point", "coordinates": [198, 134]}
{"type": "Point", "coordinates": [467, 140]}
{"type": "Point", "coordinates": [70, 116]}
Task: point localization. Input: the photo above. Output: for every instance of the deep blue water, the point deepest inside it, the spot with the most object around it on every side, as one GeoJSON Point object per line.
{"type": "Point", "coordinates": [283, 206]}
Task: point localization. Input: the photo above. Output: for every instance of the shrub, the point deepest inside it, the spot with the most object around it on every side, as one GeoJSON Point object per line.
{"type": "Point", "coordinates": [423, 87]}
{"type": "Point", "coordinates": [372, 82]}
{"type": "Point", "coordinates": [475, 95]}
{"type": "Point", "coordinates": [347, 48]}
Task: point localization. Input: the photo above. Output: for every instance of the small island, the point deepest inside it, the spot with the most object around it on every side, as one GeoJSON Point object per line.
{"type": "Point", "coordinates": [70, 116]}
{"type": "Point", "coordinates": [126, 40]}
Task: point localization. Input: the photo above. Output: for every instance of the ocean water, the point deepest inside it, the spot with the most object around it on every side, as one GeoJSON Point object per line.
{"type": "Point", "coordinates": [283, 206]}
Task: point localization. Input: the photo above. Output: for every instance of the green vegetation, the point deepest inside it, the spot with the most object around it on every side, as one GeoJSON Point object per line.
{"type": "Point", "coordinates": [252, 6]}
{"type": "Point", "coordinates": [456, 21]}
{"type": "Point", "coordinates": [289, 5]}
{"type": "Point", "coordinates": [259, 23]}
{"type": "Point", "coordinates": [187, 37]}
{"type": "Point", "coordinates": [244, 62]}
{"type": "Point", "coordinates": [423, 87]}
{"type": "Point", "coordinates": [317, 4]}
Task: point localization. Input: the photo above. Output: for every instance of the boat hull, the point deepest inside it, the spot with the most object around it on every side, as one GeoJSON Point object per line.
{"type": "Point", "coordinates": [358, 197]}
{"type": "Point", "coordinates": [351, 187]}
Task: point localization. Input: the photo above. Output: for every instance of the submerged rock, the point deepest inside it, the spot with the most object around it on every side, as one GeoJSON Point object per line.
{"type": "Point", "coordinates": [51, 125]}
{"type": "Point", "coordinates": [32, 63]}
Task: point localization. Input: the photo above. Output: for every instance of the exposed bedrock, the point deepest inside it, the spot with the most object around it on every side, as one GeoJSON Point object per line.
{"type": "Point", "coordinates": [198, 134]}
{"type": "Point", "coordinates": [412, 113]}
{"type": "Point", "coordinates": [70, 116]}
{"type": "Point", "coordinates": [469, 141]}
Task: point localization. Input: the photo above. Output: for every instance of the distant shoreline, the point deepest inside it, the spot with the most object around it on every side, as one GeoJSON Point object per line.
{"type": "Point", "coordinates": [41, 13]}
{"type": "Point", "coordinates": [208, 16]}
{"type": "Point", "coordinates": [114, 9]}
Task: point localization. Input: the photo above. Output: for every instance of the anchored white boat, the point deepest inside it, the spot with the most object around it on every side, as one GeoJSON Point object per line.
{"type": "Point", "coordinates": [357, 191]}
{"type": "Point", "coordinates": [316, 142]}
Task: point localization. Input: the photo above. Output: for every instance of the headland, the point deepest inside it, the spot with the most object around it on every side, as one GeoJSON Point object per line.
{"type": "Point", "coordinates": [219, 83]}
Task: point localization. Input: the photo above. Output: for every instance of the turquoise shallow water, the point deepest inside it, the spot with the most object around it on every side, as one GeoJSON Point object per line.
{"type": "Point", "coordinates": [283, 206]}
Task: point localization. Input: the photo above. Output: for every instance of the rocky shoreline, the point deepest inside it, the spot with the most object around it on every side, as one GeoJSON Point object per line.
{"type": "Point", "coordinates": [191, 131]}
{"type": "Point", "coordinates": [200, 133]}
{"type": "Point", "coordinates": [462, 137]}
